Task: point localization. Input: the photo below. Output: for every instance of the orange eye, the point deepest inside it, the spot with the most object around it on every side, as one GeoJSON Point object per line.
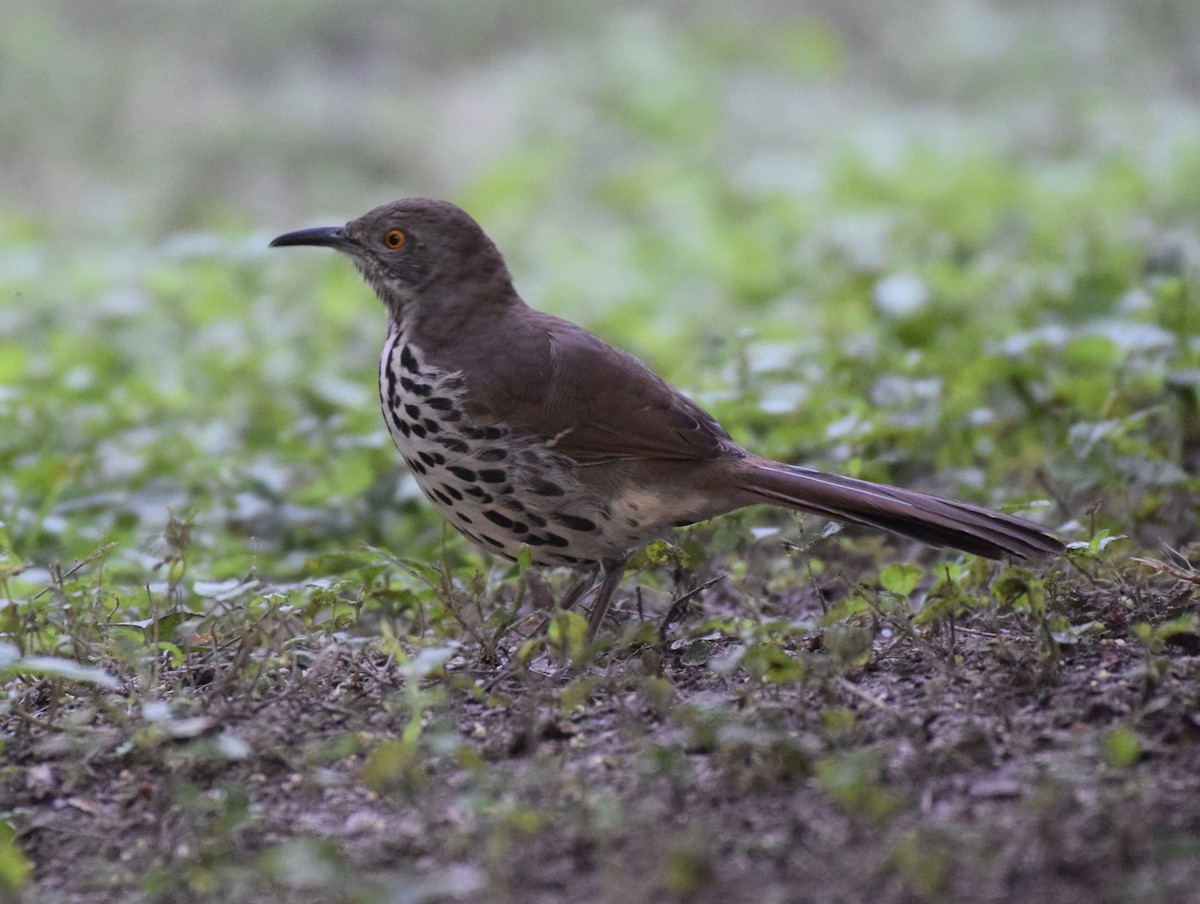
{"type": "Point", "coordinates": [394, 238]}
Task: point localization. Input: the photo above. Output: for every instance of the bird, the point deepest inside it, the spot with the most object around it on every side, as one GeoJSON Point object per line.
{"type": "Point", "coordinates": [526, 430]}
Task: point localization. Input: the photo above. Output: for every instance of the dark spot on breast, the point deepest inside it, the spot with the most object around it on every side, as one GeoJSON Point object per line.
{"type": "Point", "coordinates": [498, 519]}
{"type": "Point", "coordinates": [546, 488]}
{"type": "Point", "coordinates": [413, 411]}
{"type": "Point", "coordinates": [493, 541]}
{"type": "Point", "coordinates": [492, 475]}
{"type": "Point", "coordinates": [454, 445]}
{"type": "Point", "coordinates": [556, 540]}
{"type": "Point", "coordinates": [440, 403]}
{"type": "Point", "coordinates": [407, 361]}
{"type": "Point", "coordinates": [574, 522]}
{"type": "Point", "coordinates": [443, 498]}
{"type": "Point", "coordinates": [535, 540]}
{"type": "Point", "coordinates": [493, 454]}
{"type": "Point", "coordinates": [452, 415]}
{"type": "Point", "coordinates": [426, 457]}
{"type": "Point", "coordinates": [463, 518]}
{"type": "Point", "coordinates": [452, 492]}
{"type": "Point", "coordinates": [418, 431]}
{"type": "Point", "coordinates": [432, 426]}
{"type": "Point", "coordinates": [416, 466]}
{"type": "Point", "coordinates": [478, 493]}
{"type": "Point", "coordinates": [465, 474]}
{"type": "Point", "coordinates": [535, 520]}
{"type": "Point", "coordinates": [400, 425]}
{"type": "Point", "coordinates": [517, 527]}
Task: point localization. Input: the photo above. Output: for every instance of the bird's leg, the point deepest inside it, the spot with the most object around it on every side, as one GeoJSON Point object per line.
{"type": "Point", "coordinates": [576, 591]}
{"type": "Point", "coordinates": [614, 570]}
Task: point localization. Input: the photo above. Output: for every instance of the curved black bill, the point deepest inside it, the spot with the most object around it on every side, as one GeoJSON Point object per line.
{"type": "Point", "coordinates": [327, 236]}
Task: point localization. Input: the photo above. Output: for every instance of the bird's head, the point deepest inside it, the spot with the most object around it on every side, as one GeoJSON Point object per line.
{"type": "Point", "coordinates": [413, 251]}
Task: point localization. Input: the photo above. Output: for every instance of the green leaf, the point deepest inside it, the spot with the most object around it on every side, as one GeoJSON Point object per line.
{"type": "Point", "coordinates": [1121, 748]}
{"type": "Point", "coordinates": [768, 662]}
{"type": "Point", "coordinates": [901, 579]}
{"type": "Point", "coordinates": [853, 779]}
{"type": "Point", "coordinates": [567, 635]}
{"type": "Point", "coordinates": [852, 605]}
{"type": "Point", "coordinates": [392, 762]}
{"type": "Point", "coordinates": [850, 643]}
{"type": "Point", "coordinates": [1094, 548]}
{"type": "Point", "coordinates": [15, 868]}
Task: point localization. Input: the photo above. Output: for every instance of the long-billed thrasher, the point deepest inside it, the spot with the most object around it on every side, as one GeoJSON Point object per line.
{"type": "Point", "coordinates": [526, 430]}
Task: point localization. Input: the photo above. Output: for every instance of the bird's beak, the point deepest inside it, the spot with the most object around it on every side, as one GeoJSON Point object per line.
{"type": "Point", "coordinates": [326, 236]}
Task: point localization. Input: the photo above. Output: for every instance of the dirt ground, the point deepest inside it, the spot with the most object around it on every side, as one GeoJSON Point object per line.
{"type": "Point", "coordinates": [984, 761]}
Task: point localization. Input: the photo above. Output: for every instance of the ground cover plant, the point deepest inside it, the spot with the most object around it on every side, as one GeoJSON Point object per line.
{"type": "Point", "coordinates": [243, 661]}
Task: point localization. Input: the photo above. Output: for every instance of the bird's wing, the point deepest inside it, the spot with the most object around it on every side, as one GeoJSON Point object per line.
{"type": "Point", "coordinates": [592, 402]}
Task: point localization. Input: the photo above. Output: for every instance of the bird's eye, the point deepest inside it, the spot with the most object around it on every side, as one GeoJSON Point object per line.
{"type": "Point", "coordinates": [394, 238]}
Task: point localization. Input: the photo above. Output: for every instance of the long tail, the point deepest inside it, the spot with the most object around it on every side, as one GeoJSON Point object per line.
{"type": "Point", "coordinates": [930, 519]}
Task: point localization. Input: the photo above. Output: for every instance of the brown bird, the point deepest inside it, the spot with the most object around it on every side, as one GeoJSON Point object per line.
{"type": "Point", "coordinates": [526, 430]}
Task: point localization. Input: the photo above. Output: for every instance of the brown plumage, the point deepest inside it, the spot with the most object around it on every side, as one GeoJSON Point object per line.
{"type": "Point", "coordinates": [525, 429]}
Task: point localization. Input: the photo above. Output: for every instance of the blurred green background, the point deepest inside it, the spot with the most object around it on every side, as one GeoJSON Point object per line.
{"type": "Point", "coordinates": [951, 244]}
{"type": "Point", "coordinates": [163, 116]}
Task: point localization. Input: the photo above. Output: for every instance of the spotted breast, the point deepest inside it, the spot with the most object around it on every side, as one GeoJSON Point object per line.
{"type": "Point", "coordinates": [499, 490]}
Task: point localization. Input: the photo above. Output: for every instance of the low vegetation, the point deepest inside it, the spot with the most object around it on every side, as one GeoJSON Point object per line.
{"type": "Point", "coordinates": [243, 661]}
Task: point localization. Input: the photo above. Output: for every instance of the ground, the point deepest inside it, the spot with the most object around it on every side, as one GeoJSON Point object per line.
{"type": "Point", "coordinates": [984, 757]}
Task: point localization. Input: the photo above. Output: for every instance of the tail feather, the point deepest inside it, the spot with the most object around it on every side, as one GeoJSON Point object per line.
{"type": "Point", "coordinates": [930, 519]}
